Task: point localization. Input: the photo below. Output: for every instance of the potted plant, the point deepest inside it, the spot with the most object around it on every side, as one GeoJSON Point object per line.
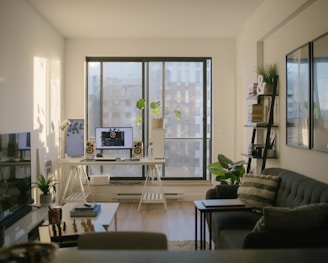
{"type": "Point", "coordinates": [226, 170]}
{"type": "Point", "coordinates": [268, 72]}
{"type": "Point", "coordinates": [46, 186]}
{"type": "Point", "coordinates": [157, 122]}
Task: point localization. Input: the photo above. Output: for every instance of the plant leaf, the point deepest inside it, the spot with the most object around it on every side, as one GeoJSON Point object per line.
{"type": "Point", "coordinates": [138, 121]}
{"type": "Point", "coordinates": [225, 161]}
{"type": "Point", "coordinates": [141, 104]}
{"type": "Point", "coordinates": [177, 114]}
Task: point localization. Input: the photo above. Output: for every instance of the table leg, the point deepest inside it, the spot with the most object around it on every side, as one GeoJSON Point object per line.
{"type": "Point", "coordinates": [210, 229]}
{"type": "Point", "coordinates": [115, 218]}
{"type": "Point", "coordinates": [201, 230]}
{"type": "Point", "coordinates": [71, 173]}
{"type": "Point", "coordinates": [196, 215]}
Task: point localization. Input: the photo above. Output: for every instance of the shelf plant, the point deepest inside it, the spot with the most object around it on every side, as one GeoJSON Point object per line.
{"type": "Point", "coordinates": [227, 171]}
{"type": "Point", "coordinates": [268, 71]}
{"type": "Point", "coordinates": [155, 109]}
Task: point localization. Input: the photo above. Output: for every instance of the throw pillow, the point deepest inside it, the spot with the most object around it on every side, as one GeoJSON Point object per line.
{"type": "Point", "coordinates": [306, 217]}
{"type": "Point", "coordinates": [258, 191]}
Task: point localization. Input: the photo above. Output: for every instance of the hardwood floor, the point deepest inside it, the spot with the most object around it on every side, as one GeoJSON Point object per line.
{"type": "Point", "coordinates": [178, 222]}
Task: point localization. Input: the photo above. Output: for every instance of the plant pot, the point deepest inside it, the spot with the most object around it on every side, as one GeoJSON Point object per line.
{"type": "Point", "coordinates": [45, 200]}
{"type": "Point", "coordinates": [158, 123]}
{"type": "Point", "coordinates": [268, 88]}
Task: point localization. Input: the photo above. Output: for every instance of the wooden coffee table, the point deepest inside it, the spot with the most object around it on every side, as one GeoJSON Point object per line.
{"type": "Point", "coordinates": [75, 226]}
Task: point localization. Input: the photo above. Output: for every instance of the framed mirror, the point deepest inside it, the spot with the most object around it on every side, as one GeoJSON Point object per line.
{"type": "Point", "coordinates": [320, 93]}
{"type": "Point", "coordinates": [298, 97]}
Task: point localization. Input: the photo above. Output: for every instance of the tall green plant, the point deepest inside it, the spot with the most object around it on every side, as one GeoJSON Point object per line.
{"type": "Point", "coordinates": [227, 171]}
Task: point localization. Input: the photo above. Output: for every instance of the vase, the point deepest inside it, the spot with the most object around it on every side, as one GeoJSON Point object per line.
{"type": "Point", "coordinates": [45, 200]}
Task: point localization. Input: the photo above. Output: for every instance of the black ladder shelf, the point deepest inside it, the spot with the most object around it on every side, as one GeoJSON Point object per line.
{"type": "Point", "coordinates": [267, 126]}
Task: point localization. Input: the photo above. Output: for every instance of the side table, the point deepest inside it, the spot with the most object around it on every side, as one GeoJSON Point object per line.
{"type": "Point", "coordinates": [206, 207]}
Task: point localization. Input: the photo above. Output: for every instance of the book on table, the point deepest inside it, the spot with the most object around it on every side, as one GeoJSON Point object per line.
{"type": "Point", "coordinates": [85, 211]}
{"type": "Point", "coordinates": [223, 203]}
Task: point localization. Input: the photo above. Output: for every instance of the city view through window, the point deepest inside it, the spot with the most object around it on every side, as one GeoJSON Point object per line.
{"type": "Point", "coordinates": [114, 87]}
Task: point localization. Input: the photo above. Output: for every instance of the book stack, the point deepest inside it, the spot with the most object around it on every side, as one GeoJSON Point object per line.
{"type": "Point", "coordinates": [252, 89]}
{"type": "Point", "coordinates": [83, 210]}
{"type": "Point", "coordinates": [255, 113]}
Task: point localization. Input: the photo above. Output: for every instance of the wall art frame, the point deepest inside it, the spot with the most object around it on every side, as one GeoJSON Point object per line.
{"type": "Point", "coordinates": [298, 69]}
{"type": "Point", "coordinates": [319, 92]}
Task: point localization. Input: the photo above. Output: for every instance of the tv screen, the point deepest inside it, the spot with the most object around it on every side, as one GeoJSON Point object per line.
{"type": "Point", "coordinates": [111, 138]}
{"type": "Point", "coordinates": [15, 177]}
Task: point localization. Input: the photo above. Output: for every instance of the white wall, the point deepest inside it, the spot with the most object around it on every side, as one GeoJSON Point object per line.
{"type": "Point", "coordinates": [31, 69]}
{"type": "Point", "coordinates": [283, 26]}
{"type": "Point", "coordinates": [221, 50]}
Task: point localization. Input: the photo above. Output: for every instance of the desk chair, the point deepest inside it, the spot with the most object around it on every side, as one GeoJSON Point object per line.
{"type": "Point", "coordinates": [130, 240]}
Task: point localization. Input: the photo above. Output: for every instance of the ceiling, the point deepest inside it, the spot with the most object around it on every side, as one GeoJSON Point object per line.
{"type": "Point", "coordinates": [147, 18]}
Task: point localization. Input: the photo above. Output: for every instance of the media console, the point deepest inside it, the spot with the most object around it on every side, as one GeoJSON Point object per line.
{"type": "Point", "coordinates": [22, 230]}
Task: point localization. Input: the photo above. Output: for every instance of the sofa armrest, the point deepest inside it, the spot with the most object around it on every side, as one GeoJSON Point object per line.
{"type": "Point", "coordinates": [286, 239]}
{"type": "Point", "coordinates": [223, 191]}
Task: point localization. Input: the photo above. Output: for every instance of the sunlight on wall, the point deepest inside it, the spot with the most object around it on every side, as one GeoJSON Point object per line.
{"type": "Point", "coordinates": [46, 111]}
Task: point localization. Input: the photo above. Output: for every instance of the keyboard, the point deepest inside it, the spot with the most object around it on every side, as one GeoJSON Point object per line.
{"type": "Point", "coordinates": [105, 159]}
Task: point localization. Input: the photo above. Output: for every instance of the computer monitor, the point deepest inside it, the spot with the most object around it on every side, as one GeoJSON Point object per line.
{"type": "Point", "coordinates": [111, 138]}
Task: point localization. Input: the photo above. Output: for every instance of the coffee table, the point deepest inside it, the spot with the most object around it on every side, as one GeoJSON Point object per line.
{"type": "Point", "coordinates": [75, 226]}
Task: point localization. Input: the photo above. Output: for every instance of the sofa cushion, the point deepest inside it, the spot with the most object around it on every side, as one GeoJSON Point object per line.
{"type": "Point", "coordinates": [241, 220]}
{"type": "Point", "coordinates": [306, 217]}
{"type": "Point", "coordinates": [258, 191]}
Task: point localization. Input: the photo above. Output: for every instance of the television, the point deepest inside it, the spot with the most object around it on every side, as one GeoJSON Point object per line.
{"type": "Point", "coordinates": [15, 177]}
{"type": "Point", "coordinates": [112, 138]}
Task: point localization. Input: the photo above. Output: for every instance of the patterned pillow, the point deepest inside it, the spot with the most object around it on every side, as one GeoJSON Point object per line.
{"type": "Point", "coordinates": [258, 191]}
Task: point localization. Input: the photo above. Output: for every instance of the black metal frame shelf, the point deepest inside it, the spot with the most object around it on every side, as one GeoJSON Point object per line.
{"type": "Point", "coordinates": [263, 125]}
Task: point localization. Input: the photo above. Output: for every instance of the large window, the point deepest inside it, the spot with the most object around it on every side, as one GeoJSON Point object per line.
{"type": "Point", "coordinates": [114, 85]}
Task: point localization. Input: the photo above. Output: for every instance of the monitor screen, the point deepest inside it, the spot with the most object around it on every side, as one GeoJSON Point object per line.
{"type": "Point", "coordinates": [110, 138]}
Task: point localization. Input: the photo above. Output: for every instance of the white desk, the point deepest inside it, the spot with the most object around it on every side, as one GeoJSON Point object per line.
{"type": "Point", "coordinates": [78, 173]}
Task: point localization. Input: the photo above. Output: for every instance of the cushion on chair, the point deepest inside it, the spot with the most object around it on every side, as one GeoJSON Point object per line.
{"type": "Point", "coordinates": [258, 191]}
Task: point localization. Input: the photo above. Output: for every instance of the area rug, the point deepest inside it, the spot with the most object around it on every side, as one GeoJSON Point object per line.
{"type": "Point", "coordinates": [182, 245]}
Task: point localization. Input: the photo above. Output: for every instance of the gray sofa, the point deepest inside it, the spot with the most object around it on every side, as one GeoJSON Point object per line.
{"type": "Point", "coordinates": [300, 216]}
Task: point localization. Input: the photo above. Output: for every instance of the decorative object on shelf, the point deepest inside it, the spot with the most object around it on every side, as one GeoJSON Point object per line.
{"type": "Point", "coordinates": [266, 74]}
{"type": "Point", "coordinates": [46, 185]}
{"type": "Point", "coordinates": [226, 170]}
